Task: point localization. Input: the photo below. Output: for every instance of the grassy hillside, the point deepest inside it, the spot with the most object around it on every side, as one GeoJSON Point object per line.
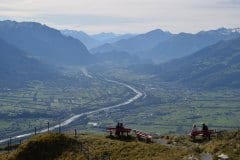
{"type": "Point", "coordinates": [59, 146]}
{"type": "Point", "coordinates": [48, 146]}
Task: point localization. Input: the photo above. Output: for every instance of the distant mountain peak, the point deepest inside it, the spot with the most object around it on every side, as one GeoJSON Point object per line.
{"type": "Point", "coordinates": [73, 31]}
{"type": "Point", "coordinates": [228, 31]}
{"type": "Point", "coordinates": [235, 30]}
{"type": "Point", "coordinates": [222, 30]}
{"type": "Point", "coordinates": [23, 24]}
{"type": "Point", "coordinates": [44, 42]}
{"type": "Point", "coordinates": [106, 34]}
{"type": "Point", "coordinates": [156, 30]}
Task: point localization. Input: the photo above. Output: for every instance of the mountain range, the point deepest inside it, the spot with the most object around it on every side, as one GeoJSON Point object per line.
{"type": "Point", "coordinates": [45, 43]}
{"type": "Point", "coordinates": [86, 39]}
{"type": "Point", "coordinates": [16, 68]}
{"type": "Point", "coordinates": [135, 44]}
{"type": "Point", "coordinates": [111, 37]}
{"type": "Point", "coordinates": [184, 44]}
{"type": "Point", "coordinates": [207, 59]}
{"type": "Point", "coordinates": [92, 41]}
{"type": "Point", "coordinates": [216, 66]}
{"type": "Point", "coordinates": [161, 46]}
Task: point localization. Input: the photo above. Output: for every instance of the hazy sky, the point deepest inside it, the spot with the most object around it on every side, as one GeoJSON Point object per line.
{"type": "Point", "coordinates": [122, 16]}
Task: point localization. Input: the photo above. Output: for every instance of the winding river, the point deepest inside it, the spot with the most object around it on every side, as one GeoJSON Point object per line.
{"type": "Point", "coordinates": [138, 94]}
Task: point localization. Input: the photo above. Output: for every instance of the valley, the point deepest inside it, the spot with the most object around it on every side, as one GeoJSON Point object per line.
{"type": "Point", "coordinates": [171, 108]}
{"type": "Point", "coordinates": [161, 108]}
{"type": "Point", "coordinates": [84, 91]}
{"type": "Point", "coordinates": [119, 80]}
{"type": "Point", "coordinates": [24, 109]}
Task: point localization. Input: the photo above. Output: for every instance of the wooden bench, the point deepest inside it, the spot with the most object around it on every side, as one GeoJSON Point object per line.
{"type": "Point", "coordinates": [203, 133]}
{"type": "Point", "coordinates": [118, 131]}
{"type": "Point", "coordinates": [143, 136]}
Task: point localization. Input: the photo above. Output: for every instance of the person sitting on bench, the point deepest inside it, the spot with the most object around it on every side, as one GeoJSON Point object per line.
{"type": "Point", "coordinates": [204, 127]}
{"type": "Point", "coordinates": [194, 128]}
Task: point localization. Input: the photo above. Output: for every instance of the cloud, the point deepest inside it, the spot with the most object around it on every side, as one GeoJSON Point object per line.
{"type": "Point", "coordinates": [125, 15]}
{"type": "Point", "coordinates": [228, 3]}
{"type": "Point", "coordinates": [88, 19]}
{"type": "Point", "coordinates": [235, 2]}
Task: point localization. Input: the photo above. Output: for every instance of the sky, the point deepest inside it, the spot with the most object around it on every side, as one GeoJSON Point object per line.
{"type": "Point", "coordinates": [125, 16]}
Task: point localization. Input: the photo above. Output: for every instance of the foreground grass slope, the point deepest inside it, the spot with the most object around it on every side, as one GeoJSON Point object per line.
{"type": "Point", "coordinates": [59, 146]}
{"type": "Point", "coordinates": [44, 147]}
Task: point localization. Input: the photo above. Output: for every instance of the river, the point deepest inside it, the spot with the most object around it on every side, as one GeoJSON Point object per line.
{"type": "Point", "coordinates": [75, 117]}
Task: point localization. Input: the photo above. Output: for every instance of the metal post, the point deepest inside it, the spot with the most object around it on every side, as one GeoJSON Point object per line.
{"type": "Point", "coordinates": [81, 146]}
{"type": "Point", "coordinates": [35, 130]}
{"type": "Point", "coordinates": [48, 126]}
{"type": "Point", "coordinates": [75, 132]}
{"type": "Point", "coordinates": [59, 128]}
{"type": "Point", "coordinates": [88, 153]}
{"type": "Point", "coordinates": [10, 143]}
{"type": "Point", "coordinates": [8, 146]}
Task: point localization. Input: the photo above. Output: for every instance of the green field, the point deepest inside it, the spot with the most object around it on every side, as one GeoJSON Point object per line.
{"type": "Point", "coordinates": [170, 108]}
{"type": "Point", "coordinates": [167, 108]}
{"type": "Point", "coordinates": [23, 109]}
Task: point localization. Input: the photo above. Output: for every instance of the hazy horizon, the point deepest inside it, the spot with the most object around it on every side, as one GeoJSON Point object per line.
{"type": "Point", "coordinates": [125, 16]}
{"type": "Point", "coordinates": [120, 33]}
